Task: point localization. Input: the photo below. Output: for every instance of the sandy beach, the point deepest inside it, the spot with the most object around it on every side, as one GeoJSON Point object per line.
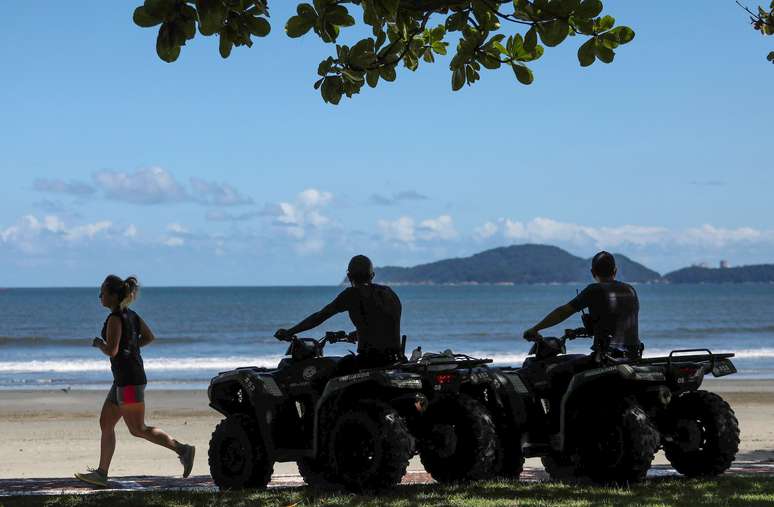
{"type": "Point", "coordinates": [56, 433]}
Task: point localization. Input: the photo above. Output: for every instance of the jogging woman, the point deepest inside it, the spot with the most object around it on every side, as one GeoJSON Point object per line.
{"type": "Point", "coordinates": [123, 334]}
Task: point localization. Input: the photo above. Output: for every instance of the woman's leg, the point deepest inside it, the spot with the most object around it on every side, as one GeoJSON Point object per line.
{"type": "Point", "coordinates": [134, 417]}
{"type": "Point", "coordinates": [107, 423]}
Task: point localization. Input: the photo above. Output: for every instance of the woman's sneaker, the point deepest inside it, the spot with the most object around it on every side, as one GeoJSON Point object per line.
{"type": "Point", "coordinates": [94, 477]}
{"type": "Point", "coordinates": [186, 456]}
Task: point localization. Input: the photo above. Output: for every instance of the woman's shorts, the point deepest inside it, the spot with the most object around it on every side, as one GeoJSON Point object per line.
{"type": "Point", "coordinates": [125, 395]}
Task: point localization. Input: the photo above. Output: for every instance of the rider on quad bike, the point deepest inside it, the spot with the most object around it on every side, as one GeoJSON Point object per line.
{"type": "Point", "coordinates": [374, 310]}
{"type": "Point", "coordinates": [612, 320]}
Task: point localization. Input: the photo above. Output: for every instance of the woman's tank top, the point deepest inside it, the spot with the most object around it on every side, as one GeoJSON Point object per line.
{"type": "Point", "coordinates": [127, 366]}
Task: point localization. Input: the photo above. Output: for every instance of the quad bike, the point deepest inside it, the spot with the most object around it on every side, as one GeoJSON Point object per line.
{"type": "Point", "coordinates": [603, 418]}
{"type": "Point", "coordinates": [343, 429]}
{"type": "Point", "coordinates": [469, 420]}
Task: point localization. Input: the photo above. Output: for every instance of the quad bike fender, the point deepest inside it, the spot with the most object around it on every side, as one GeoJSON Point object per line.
{"type": "Point", "coordinates": [249, 392]}
{"type": "Point", "coordinates": [394, 387]}
{"type": "Point", "coordinates": [601, 377]}
{"type": "Point", "coordinates": [510, 391]}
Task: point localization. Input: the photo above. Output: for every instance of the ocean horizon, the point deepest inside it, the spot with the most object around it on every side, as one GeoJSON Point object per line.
{"type": "Point", "coordinates": [45, 333]}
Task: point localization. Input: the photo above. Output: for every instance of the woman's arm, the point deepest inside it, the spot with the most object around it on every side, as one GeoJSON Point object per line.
{"type": "Point", "coordinates": [146, 335]}
{"type": "Point", "coordinates": [113, 332]}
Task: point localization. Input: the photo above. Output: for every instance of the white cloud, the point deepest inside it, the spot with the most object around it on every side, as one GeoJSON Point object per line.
{"type": "Point", "coordinates": [298, 218]}
{"type": "Point", "coordinates": [313, 198]}
{"type": "Point", "coordinates": [709, 235]}
{"type": "Point", "coordinates": [176, 228]}
{"type": "Point", "coordinates": [174, 241]}
{"type": "Point", "coordinates": [397, 197]}
{"type": "Point", "coordinates": [437, 228]}
{"type": "Point", "coordinates": [485, 231]}
{"type": "Point", "coordinates": [31, 233]}
{"type": "Point", "coordinates": [131, 231]}
{"type": "Point", "coordinates": [405, 229]}
{"type": "Point", "coordinates": [217, 194]}
{"type": "Point", "coordinates": [86, 231]}
{"type": "Point", "coordinates": [546, 230]}
{"type": "Point", "coordinates": [62, 187]}
{"type": "Point", "coordinates": [153, 185]}
{"type": "Point", "coordinates": [401, 230]}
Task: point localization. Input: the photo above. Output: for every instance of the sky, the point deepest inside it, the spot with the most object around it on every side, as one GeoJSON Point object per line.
{"type": "Point", "coordinates": [234, 172]}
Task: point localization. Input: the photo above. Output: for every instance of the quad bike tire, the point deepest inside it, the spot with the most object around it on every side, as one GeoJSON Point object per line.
{"type": "Point", "coordinates": [709, 431]}
{"type": "Point", "coordinates": [369, 447]}
{"type": "Point", "coordinates": [509, 463]}
{"type": "Point", "coordinates": [618, 447]}
{"type": "Point", "coordinates": [469, 448]}
{"type": "Point", "coordinates": [561, 468]}
{"type": "Point", "coordinates": [236, 456]}
{"type": "Point", "coordinates": [316, 473]}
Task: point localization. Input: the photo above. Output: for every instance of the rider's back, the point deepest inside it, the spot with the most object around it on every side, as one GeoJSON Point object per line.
{"type": "Point", "coordinates": [614, 308]}
{"type": "Point", "coordinates": [375, 311]}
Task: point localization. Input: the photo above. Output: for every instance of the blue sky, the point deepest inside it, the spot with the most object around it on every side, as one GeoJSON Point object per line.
{"type": "Point", "coordinates": [211, 171]}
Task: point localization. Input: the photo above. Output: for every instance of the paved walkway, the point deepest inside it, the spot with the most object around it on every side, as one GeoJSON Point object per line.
{"type": "Point", "coordinates": [12, 487]}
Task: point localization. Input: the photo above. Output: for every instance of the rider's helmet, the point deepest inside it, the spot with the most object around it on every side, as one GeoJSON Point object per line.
{"type": "Point", "coordinates": [360, 269]}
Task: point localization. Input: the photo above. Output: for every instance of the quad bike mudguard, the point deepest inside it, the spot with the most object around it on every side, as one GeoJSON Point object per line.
{"type": "Point", "coordinates": [625, 373]}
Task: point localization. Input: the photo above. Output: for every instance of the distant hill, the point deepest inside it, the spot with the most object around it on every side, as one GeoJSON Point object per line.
{"type": "Point", "coordinates": [518, 264]}
{"type": "Point", "coordinates": [761, 273]}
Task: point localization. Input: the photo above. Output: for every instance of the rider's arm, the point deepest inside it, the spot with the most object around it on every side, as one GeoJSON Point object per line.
{"type": "Point", "coordinates": [113, 334]}
{"type": "Point", "coordinates": [338, 305]}
{"type": "Point", "coordinates": [559, 315]}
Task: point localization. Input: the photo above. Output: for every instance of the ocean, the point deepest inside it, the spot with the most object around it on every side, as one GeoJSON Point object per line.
{"type": "Point", "coordinates": [45, 334]}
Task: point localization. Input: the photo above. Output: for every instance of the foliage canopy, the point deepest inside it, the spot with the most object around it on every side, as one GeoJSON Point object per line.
{"type": "Point", "coordinates": [401, 34]}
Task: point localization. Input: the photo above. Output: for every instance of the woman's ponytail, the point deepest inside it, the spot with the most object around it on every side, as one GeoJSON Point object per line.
{"type": "Point", "coordinates": [126, 290]}
{"type": "Point", "coordinates": [130, 292]}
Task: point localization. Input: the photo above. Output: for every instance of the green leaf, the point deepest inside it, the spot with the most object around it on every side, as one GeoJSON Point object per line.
{"type": "Point", "coordinates": [530, 40]}
{"type": "Point", "coordinates": [212, 16]}
{"type": "Point", "coordinates": [554, 32]}
{"type": "Point", "coordinates": [325, 66]}
{"type": "Point", "coordinates": [458, 78]}
{"type": "Point", "coordinates": [339, 16]}
{"type": "Point", "coordinates": [331, 90]}
{"type": "Point", "coordinates": [165, 43]}
{"type": "Point", "coordinates": [604, 53]}
{"type": "Point", "coordinates": [259, 27]}
{"type": "Point", "coordinates": [586, 53]}
{"type": "Point", "coordinates": [589, 9]}
{"type": "Point", "coordinates": [387, 73]}
{"type": "Point", "coordinates": [440, 47]}
{"type": "Point", "coordinates": [390, 7]}
{"type": "Point", "coordinates": [225, 44]}
{"type": "Point", "coordinates": [771, 57]}
{"type": "Point", "coordinates": [298, 26]}
{"type": "Point", "coordinates": [142, 18]}
{"type": "Point", "coordinates": [306, 11]}
{"type": "Point", "coordinates": [604, 24]}
{"type": "Point", "coordinates": [428, 56]}
{"type": "Point", "coordinates": [623, 34]}
{"type": "Point", "coordinates": [372, 78]}
{"type": "Point", "coordinates": [161, 9]}
{"type": "Point", "coordinates": [353, 75]}
{"type": "Point", "coordinates": [523, 74]}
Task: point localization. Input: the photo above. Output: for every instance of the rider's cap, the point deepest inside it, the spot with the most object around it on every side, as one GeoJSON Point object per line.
{"type": "Point", "coordinates": [360, 269]}
{"type": "Point", "coordinates": [603, 264]}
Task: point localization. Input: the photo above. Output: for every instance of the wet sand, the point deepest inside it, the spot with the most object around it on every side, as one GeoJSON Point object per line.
{"type": "Point", "coordinates": [55, 433]}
